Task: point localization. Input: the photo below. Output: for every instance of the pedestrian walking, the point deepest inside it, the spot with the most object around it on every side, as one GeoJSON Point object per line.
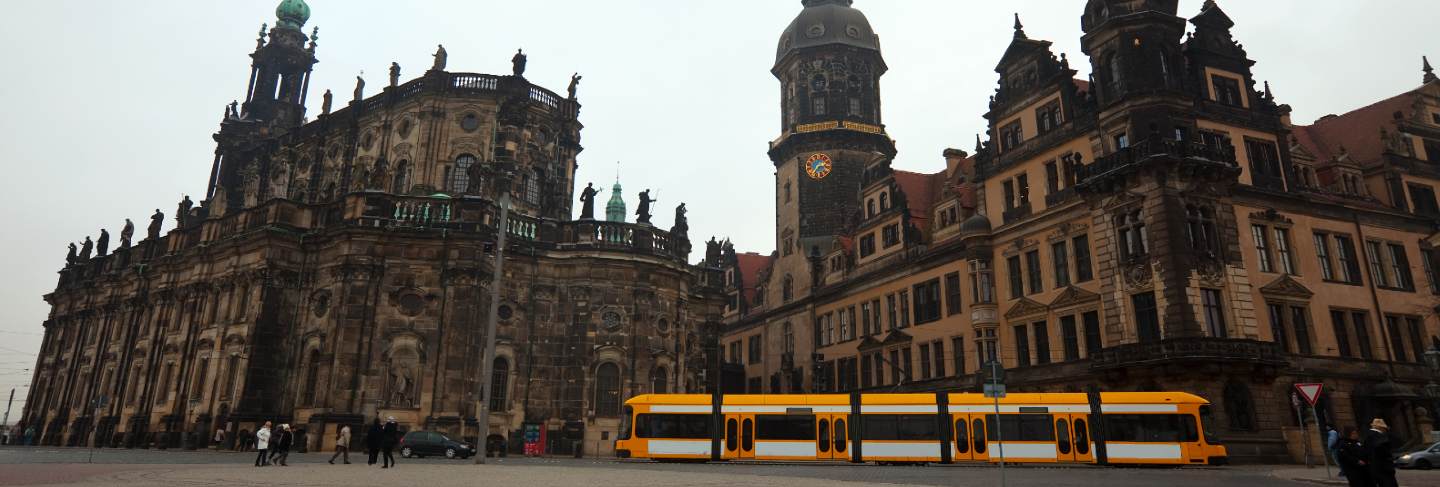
{"type": "Point", "coordinates": [241, 441]}
{"type": "Point", "coordinates": [1377, 453]}
{"type": "Point", "coordinates": [284, 438]}
{"type": "Point", "coordinates": [388, 439]}
{"type": "Point", "coordinates": [1332, 445]}
{"type": "Point", "coordinates": [342, 444]}
{"type": "Point", "coordinates": [219, 438]}
{"type": "Point", "coordinates": [373, 440]}
{"type": "Point", "coordinates": [1350, 454]}
{"type": "Point", "coordinates": [29, 435]}
{"type": "Point", "coordinates": [262, 444]}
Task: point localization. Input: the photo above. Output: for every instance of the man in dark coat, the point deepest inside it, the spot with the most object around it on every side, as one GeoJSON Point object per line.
{"type": "Point", "coordinates": [373, 440]}
{"type": "Point", "coordinates": [1350, 454]}
{"type": "Point", "coordinates": [389, 438]}
{"type": "Point", "coordinates": [1377, 453]}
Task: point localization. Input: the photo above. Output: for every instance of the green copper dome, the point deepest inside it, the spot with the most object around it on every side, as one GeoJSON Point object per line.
{"type": "Point", "coordinates": [292, 14]}
{"type": "Point", "coordinates": [615, 209]}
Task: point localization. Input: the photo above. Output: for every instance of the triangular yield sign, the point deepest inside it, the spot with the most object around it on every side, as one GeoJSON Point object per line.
{"type": "Point", "coordinates": [1311, 392]}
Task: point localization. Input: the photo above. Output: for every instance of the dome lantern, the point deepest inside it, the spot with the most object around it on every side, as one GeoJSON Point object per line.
{"type": "Point", "coordinates": [292, 14]}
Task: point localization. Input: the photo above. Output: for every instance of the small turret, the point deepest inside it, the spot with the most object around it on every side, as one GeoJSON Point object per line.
{"type": "Point", "coordinates": [615, 209]}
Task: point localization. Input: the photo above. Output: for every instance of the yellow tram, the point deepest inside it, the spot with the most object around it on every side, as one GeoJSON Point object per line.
{"type": "Point", "coordinates": [1147, 428]}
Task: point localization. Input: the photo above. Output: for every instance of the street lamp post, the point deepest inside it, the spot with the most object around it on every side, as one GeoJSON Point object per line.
{"type": "Point", "coordinates": [488, 358]}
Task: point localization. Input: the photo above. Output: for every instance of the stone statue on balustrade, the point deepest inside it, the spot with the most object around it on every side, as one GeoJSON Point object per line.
{"type": "Point", "coordinates": [441, 58]}
{"type": "Point", "coordinates": [518, 63]}
{"type": "Point", "coordinates": [394, 74]}
{"type": "Point", "coordinates": [587, 202]}
{"type": "Point", "coordinates": [126, 233]}
{"type": "Point", "coordinates": [85, 248]}
{"type": "Point", "coordinates": [102, 244]}
{"type": "Point", "coordinates": [326, 102]}
{"type": "Point", "coordinates": [682, 225]}
{"type": "Point", "coordinates": [712, 252]}
{"type": "Point", "coordinates": [642, 214]}
{"type": "Point", "coordinates": [156, 221]}
{"type": "Point", "coordinates": [574, 84]}
{"type": "Point", "coordinates": [182, 211]}
{"type": "Point", "coordinates": [71, 257]}
{"type": "Point", "coordinates": [360, 87]}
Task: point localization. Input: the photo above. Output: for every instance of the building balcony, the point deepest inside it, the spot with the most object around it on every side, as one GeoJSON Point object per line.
{"type": "Point", "coordinates": [1208, 158]}
{"type": "Point", "coordinates": [1181, 350]}
{"type": "Point", "coordinates": [1016, 214]}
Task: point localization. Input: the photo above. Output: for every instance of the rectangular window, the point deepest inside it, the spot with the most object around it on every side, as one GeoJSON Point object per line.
{"type": "Point", "coordinates": [1301, 325]}
{"type": "Point", "coordinates": [1282, 251]}
{"type": "Point", "coordinates": [1022, 346]}
{"type": "Point", "coordinates": [1361, 321]}
{"type": "Point", "coordinates": [1083, 271]}
{"type": "Point", "coordinates": [1400, 267]}
{"type": "Point", "coordinates": [1032, 266]}
{"type": "Point", "coordinates": [924, 361]}
{"type": "Point", "coordinates": [875, 310]}
{"type": "Point", "coordinates": [879, 360]}
{"type": "Point", "coordinates": [1042, 342]}
{"type": "Point", "coordinates": [1227, 90]}
{"type": "Point", "coordinates": [1422, 198]}
{"type": "Point", "coordinates": [1071, 337]}
{"type": "Point", "coordinates": [1060, 257]}
{"type": "Point", "coordinates": [891, 235]}
{"type": "Point", "coordinates": [1428, 260]}
{"type": "Point", "coordinates": [1322, 252]}
{"type": "Point", "coordinates": [1277, 327]}
{"type": "Point", "coordinates": [1397, 340]}
{"type": "Point", "coordinates": [952, 294]}
{"type": "Point", "coordinates": [939, 348]}
{"type": "Point", "coordinates": [900, 427]}
{"type": "Point", "coordinates": [1147, 321]}
{"type": "Point", "coordinates": [1349, 264]}
{"type": "Point", "coordinates": [1262, 247]}
{"type": "Point", "coordinates": [1342, 337]}
{"type": "Point", "coordinates": [791, 427]}
{"type": "Point", "coordinates": [904, 309]}
{"type": "Point", "coordinates": [1052, 178]}
{"type": "Point", "coordinates": [1417, 338]}
{"type": "Point", "coordinates": [1264, 163]}
{"type": "Point", "coordinates": [908, 362]}
{"type": "Point", "coordinates": [854, 107]}
{"type": "Point", "coordinates": [927, 302]}
{"type": "Point", "coordinates": [957, 351]}
{"type": "Point", "coordinates": [865, 371]}
{"type": "Point", "coordinates": [819, 106]}
{"type": "Point", "coordinates": [1377, 265]}
{"type": "Point", "coordinates": [1122, 141]}
{"type": "Point", "coordinates": [1022, 185]}
{"type": "Point", "coordinates": [679, 426]}
{"type": "Point", "coordinates": [890, 311]}
{"type": "Point", "coordinates": [1151, 428]}
{"type": "Point", "coordinates": [865, 324]}
{"type": "Point", "coordinates": [1017, 283]}
{"type": "Point", "coordinates": [1008, 189]}
{"type": "Point", "coordinates": [755, 355]}
{"type": "Point", "coordinates": [867, 245]}
{"type": "Point", "coordinates": [1214, 314]}
{"type": "Point", "coordinates": [1022, 427]}
{"type": "Point", "coordinates": [896, 366]}
{"type": "Point", "coordinates": [1093, 343]}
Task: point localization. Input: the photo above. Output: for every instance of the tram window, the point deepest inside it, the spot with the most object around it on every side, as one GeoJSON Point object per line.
{"type": "Point", "coordinates": [1082, 437]}
{"type": "Point", "coordinates": [747, 435]}
{"type": "Point", "coordinates": [732, 436]}
{"type": "Point", "coordinates": [785, 427]}
{"type": "Point", "coordinates": [673, 426]}
{"type": "Point", "coordinates": [962, 436]}
{"type": "Point", "coordinates": [841, 436]}
{"type": "Point", "coordinates": [824, 442]}
{"type": "Point", "coordinates": [907, 427]}
{"type": "Point", "coordinates": [1150, 428]}
{"type": "Point", "coordinates": [978, 435]}
{"type": "Point", "coordinates": [625, 424]}
{"type": "Point", "coordinates": [1062, 432]}
{"type": "Point", "coordinates": [1022, 427]}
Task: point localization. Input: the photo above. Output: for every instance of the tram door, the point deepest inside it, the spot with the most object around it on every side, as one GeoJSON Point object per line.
{"type": "Point", "coordinates": [970, 443]}
{"type": "Point", "coordinates": [832, 437]}
{"type": "Point", "coordinates": [1072, 438]}
{"type": "Point", "coordinates": [739, 436]}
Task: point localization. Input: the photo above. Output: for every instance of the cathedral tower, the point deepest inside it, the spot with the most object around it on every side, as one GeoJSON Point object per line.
{"type": "Point", "coordinates": [829, 66]}
{"type": "Point", "coordinates": [280, 71]}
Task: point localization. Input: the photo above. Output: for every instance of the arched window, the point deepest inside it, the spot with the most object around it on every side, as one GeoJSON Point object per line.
{"type": "Point", "coordinates": [787, 291]}
{"type": "Point", "coordinates": [607, 390]}
{"type": "Point", "coordinates": [659, 380]}
{"type": "Point", "coordinates": [230, 375]}
{"type": "Point", "coordinates": [499, 385]}
{"type": "Point", "coordinates": [884, 201]}
{"type": "Point", "coordinates": [1116, 74]}
{"type": "Point", "coordinates": [312, 374]}
{"type": "Point", "coordinates": [869, 208]}
{"type": "Point", "coordinates": [532, 189]}
{"type": "Point", "coordinates": [460, 175]}
{"type": "Point", "coordinates": [402, 178]}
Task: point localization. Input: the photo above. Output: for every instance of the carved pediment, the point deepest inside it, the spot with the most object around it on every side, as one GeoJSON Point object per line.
{"type": "Point", "coordinates": [896, 337]}
{"type": "Point", "coordinates": [1026, 307]}
{"type": "Point", "coordinates": [868, 343]}
{"type": "Point", "coordinates": [1270, 215]}
{"type": "Point", "coordinates": [1074, 296]}
{"type": "Point", "coordinates": [1287, 286]}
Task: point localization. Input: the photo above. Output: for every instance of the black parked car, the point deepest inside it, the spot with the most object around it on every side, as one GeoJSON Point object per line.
{"type": "Point", "coordinates": [426, 443]}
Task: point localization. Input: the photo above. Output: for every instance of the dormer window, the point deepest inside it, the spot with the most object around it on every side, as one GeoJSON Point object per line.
{"type": "Point", "coordinates": [1047, 118]}
{"type": "Point", "coordinates": [1435, 118]}
{"type": "Point", "coordinates": [1011, 136]}
{"type": "Point", "coordinates": [1227, 90]}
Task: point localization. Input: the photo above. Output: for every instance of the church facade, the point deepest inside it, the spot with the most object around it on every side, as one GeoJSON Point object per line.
{"type": "Point", "coordinates": [339, 269]}
{"type": "Point", "coordinates": [1163, 225]}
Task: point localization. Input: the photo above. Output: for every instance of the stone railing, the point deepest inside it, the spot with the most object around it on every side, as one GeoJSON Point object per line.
{"type": "Point", "coordinates": [1188, 350]}
{"type": "Point", "coordinates": [1155, 146]}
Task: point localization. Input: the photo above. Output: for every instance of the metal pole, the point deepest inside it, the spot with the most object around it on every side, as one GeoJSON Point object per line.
{"type": "Point", "coordinates": [1300, 419]}
{"type": "Point", "coordinates": [1315, 413]}
{"type": "Point", "coordinates": [486, 360]}
{"type": "Point", "coordinates": [6, 421]}
{"type": "Point", "coordinates": [999, 433]}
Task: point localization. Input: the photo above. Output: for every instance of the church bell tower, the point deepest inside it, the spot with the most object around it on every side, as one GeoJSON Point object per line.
{"type": "Point", "coordinates": [280, 70]}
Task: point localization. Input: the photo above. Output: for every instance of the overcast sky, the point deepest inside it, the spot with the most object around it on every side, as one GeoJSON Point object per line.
{"type": "Point", "coordinates": [107, 107]}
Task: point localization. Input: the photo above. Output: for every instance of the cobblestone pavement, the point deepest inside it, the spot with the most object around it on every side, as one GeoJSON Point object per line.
{"type": "Point", "coordinates": [135, 468]}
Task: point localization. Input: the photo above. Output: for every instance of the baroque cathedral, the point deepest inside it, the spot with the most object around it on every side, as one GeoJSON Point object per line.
{"type": "Point", "coordinates": [1160, 225]}
{"type": "Point", "coordinates": [339, 269]}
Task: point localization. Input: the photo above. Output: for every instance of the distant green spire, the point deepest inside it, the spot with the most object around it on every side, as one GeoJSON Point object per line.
{"type": "Point", "coordinates": [615, 209]}
{"type": "Point", "coordinates": [292, 14]}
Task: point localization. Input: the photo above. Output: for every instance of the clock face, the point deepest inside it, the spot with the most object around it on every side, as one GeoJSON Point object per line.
{"type": "Point", "coordinates": [818, 166]}
{"type": "Point", "coordinates": [611, 320]}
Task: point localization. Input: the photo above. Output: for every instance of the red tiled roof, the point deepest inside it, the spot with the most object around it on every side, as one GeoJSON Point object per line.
{"type": "Point", "coordinates": [1357, 131]}
{"type": "Point", "coordinates": [921, 191]}
{"type": "Point", "coordinates": [846, 243]}
{"type": "Point", "coordinates": [751, 264]}
{"type": "Point", "coordinates": [1081, 84]}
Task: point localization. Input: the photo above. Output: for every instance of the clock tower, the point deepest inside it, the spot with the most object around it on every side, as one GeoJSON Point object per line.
{"type": "Point", "coordinates": [829, 66]}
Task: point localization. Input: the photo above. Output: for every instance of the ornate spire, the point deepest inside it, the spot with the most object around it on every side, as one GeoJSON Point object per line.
{"type": "Point", "coordinates": [292, 14]}
{"type": "Point", "coordinates": [1019, 28]}
{"type": "Point", "coordinates": [615, 209]}
{"type": "Point", "coordinates": [1429, 71]}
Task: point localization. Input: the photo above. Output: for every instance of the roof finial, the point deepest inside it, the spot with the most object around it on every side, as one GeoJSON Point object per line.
{"type": "Point", "coordinates": [1429, 71]}
{"type": "Point", "coordinates": [1019, 28]}
{"type": "Point", "coordinates": [1268, 94]}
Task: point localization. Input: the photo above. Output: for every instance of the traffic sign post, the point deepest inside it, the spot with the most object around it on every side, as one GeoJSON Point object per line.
{"type": "Point", "coordinates": [1311, 393]}
{"type": "Point", "coordinates": [995, 388]}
